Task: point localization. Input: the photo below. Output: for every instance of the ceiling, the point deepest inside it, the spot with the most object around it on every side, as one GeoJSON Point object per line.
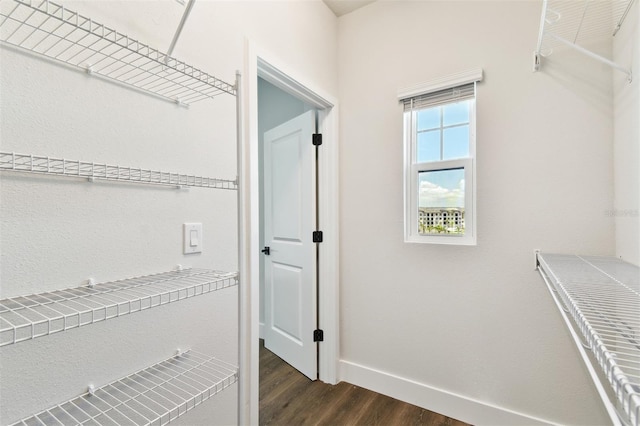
{"type": "Point", "coordinates": [342, 7]}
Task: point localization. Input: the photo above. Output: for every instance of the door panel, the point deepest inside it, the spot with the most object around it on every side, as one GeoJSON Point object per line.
{"type": "Point", "coordinates": [287, 186]}
{"type": "Point", "coordinates": [289, 221]}
{"type": "Point", "coordinates": [286, 294]}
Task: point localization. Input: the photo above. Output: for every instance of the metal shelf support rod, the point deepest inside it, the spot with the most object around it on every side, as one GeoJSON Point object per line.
{"type": "Point", "coordinates": [176, 36]}
{"type": "Point", "coordinates": [537, 55]}
{"type": "Point", "coordinates": [244, 288]}
{"type": "Point", "coordinates": [623, 17]}
{"type": "Point", "coordinates": [594, 56]}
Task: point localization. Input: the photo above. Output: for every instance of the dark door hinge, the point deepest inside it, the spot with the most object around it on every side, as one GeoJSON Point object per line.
{"type": "Point", "coordinates": [317, 139]}
{"type": "Point", "coordinates": [318, 335]}
{"type": "Point", "coordinates": [317, 236]}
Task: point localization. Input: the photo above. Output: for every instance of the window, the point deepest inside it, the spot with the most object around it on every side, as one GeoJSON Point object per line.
{"type": "Point", "coordinates": [439, 144]}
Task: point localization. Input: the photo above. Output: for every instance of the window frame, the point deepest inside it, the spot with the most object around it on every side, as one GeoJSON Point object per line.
{"type": "Point", "coordinates": [412, 170]}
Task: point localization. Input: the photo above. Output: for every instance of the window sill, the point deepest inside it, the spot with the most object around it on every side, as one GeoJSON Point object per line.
{"type": "Point", "coordinates": [451, 240]}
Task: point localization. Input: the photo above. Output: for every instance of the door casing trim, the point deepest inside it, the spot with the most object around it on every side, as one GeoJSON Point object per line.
{"type": "Point", "coordinates": [260, 63]}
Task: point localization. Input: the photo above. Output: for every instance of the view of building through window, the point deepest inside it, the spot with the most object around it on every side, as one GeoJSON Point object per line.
{"type": "Point", "coordinates": [441, 202]}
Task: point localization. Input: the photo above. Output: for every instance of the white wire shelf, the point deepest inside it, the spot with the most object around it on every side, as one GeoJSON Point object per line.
{"type": "Point", "coordinates": [602, 296]}
{"type": "Point", "coordinates": [578, 25]}
{"type": "Point", "coordinates": [27, 163]}
{"type": "Point", "coordinates": [154, 396]}
{"type": "Point", "coordinates": [45, 28]}
{"type": "Point", "coordinates": [28, 317]}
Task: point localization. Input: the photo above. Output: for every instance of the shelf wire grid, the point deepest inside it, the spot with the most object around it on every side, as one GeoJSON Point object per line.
{"type": "Point", "coordinates": [28, 317]}
{"type": "Point", "coordinates": [156, 395]}
{"type": "Point", "coordinates": [27, 163]}
{"type": "Point", "coordinates": [581, 22]}
{"type": "Point", "coordinates": [51, 30]}
{"type": "Point", "coordinates": [602, 295]}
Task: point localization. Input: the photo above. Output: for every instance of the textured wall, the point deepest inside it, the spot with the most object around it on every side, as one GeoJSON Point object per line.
{"type": "Point", "coordinates": [58, 232]}
{"type": "Point", "coordinates": [473, 321]}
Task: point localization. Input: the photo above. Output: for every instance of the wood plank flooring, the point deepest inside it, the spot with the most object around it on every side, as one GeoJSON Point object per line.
{"type": "Point", "coordinates": [288, 398]}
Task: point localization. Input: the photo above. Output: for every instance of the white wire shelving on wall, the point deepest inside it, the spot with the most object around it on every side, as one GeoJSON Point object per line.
{"type": "Point", "coordinates": [601, 295]}
{"type": "Point", "coordinates": [153, 396]}
{"type": "Point", "coordinates": [48, 29]}
{"type": "Point", "coordinates": [160, 393]}
{"type": "Point", "coordinates": [27, 163]}
{"type": "Point", "coordinates": [28, 317]}
{"type": "Point", "coordinates": [579, 25]}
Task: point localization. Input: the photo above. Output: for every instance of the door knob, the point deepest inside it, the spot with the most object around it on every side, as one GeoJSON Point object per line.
{"type": "Point", "coordinates": [266, 250]}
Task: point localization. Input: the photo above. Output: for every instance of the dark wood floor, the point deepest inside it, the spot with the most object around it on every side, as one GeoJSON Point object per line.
{"type": "Point", "coordinates": [288, 398]}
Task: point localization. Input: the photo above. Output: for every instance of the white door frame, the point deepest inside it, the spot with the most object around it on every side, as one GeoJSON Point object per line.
{"type": "Point", "coordinates": [259, 63]}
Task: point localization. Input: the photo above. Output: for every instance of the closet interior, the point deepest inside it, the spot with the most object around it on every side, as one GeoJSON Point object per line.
{"type": "Point", "coordinates": [139, 365]}
{"type": "Point", "coordinates": [582, 26]}
{"type": "Point", "coordinates": [598, 297]}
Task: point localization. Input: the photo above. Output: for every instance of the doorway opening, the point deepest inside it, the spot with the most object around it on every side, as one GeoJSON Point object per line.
{"type": "Point", "coordinates": [260, 63]}
{"type": "Point", "coordinates": [288, 219]}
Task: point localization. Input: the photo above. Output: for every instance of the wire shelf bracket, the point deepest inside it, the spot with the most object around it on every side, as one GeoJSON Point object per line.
{"type": "Point", "coordinates": [28, 317]}
{"type": "Point", "coordinates": [183, 21]}
{"type": "Point", "coordinates": [601, 296]}
{"type": "Point", "coordinates": [156, 395]}
{"type": "Point", "coordinates": [50, 30]}
{"type": "Point", "coordinates": [576, 24]}
{"type": "Point", "coordinates": [27, 163]}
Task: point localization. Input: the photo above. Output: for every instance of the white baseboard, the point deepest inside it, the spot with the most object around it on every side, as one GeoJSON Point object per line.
{"type": "Point", "coordinates": [440, 401]}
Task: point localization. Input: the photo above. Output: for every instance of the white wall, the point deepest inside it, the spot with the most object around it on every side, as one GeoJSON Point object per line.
{"type": "Point", "coordinates": [626, 140]}
{"type": "Point", "coordinates": [57, 232]}
{"type": "Point", "coordinates": [470, 331]}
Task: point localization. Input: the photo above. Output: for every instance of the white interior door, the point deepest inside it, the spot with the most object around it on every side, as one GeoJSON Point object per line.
{"type": "Point", "coordinates": [289, 221]}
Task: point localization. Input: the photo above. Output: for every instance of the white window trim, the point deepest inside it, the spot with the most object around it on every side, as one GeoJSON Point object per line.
{"type": "Point", "coordinates": [411, 169]}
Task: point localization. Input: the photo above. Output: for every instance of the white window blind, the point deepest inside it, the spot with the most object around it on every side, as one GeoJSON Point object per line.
{"type": "Point", "coordinates": [452, 94]}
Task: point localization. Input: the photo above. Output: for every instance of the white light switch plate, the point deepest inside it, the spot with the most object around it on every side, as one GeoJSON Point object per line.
{"type": "Point", "coordinates": [192, 238]}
